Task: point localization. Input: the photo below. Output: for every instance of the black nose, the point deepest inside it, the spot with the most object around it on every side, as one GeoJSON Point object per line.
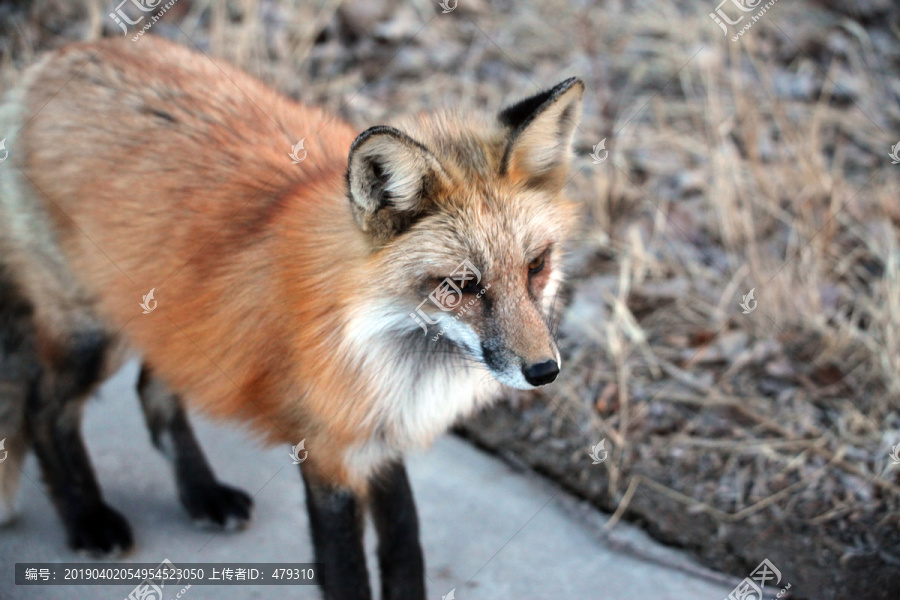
{"type": "Point", "coordinates": [541, 373]}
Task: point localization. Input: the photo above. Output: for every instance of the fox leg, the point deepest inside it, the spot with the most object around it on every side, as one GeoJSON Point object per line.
{"type": "Point", "coordinates": [337, 520]}
{"type": "Point", "coordinates": [207, 501]}
{"type": "Point", "coordinates": [53, 418]}
{"type": "Point", "coordinates": [399, 552]}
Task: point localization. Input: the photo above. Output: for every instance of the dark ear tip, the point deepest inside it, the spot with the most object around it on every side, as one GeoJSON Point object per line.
{"type": "Point", "coordinates": [568, 84]}
{"type": "Point", "coordinates": [387, 131]}
{"type": "Point", "coordinates": [520, 114]}
{"type": "Point", "coordinates": [373, 131]}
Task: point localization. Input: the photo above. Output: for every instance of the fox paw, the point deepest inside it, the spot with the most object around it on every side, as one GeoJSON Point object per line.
{"type": "Point", "coordinates": [217, 505]}
{"type": "Point", "coordinates": [100, 531]}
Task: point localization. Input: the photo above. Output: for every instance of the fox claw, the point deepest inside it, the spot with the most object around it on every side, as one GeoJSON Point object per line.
{"type": "Point", "coordinates": [100, 531]}
{"type": "Point", "coordinates": [217, 505]}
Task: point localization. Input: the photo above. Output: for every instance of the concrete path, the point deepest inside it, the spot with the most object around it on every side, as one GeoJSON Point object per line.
{"type": "Point", "coordinates": [489, 532]}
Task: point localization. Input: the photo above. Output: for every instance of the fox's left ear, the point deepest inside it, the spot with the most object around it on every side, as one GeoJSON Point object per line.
{"type": "Point", "coordinates": [541, 130]}
{"type": "Point", "coordinates": [391, 178]}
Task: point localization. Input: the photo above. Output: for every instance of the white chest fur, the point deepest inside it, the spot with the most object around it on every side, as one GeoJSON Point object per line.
{"type": "Point", "coordinates": [419, 394]}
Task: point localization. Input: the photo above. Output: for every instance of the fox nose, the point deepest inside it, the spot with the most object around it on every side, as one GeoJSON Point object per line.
{"type": "Point", "coordinates": [541, 373]}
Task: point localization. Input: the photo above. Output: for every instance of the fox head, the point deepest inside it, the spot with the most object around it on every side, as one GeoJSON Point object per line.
{"type": "Point", "coordinates": [449, 189]}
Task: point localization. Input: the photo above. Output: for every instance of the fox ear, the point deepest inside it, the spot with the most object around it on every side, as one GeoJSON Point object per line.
{"type": "Point", "coordinates": [391, 177]}
{"type": "Point", "coordinates": [541, 131]}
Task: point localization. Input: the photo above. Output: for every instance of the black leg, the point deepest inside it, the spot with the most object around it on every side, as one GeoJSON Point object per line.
{"type": "Point", "coordinates": [53, 419]}
{"type": "Point", "coordinates": [337, 521]}
{"type": "Point", "coordinates": [399, 553]}
{"type": "Point", "coordinates": [206, 500]}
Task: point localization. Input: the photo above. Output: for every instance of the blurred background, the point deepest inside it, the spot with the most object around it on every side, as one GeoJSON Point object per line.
{"type": "Point", "coordinates": [731, 327]}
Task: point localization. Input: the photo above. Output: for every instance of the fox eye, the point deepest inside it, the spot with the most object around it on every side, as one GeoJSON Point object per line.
{"type": "Point", "coordinates": [471, 287]}
{"type": "Point", "coordinates": [466, 286]}
{"type": "Point", "coordinates": [537, 264]}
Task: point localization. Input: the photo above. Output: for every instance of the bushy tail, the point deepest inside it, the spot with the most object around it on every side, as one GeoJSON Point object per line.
{"type": "Point", "coordinates": [19, 373]}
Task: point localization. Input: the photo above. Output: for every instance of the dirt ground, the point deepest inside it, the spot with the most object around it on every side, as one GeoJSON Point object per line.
{"type": "Point", "coordinates": [731, 327]}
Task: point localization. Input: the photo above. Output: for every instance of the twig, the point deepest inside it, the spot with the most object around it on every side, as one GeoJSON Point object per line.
{"type": "Point", "coordinates": [623, 505]}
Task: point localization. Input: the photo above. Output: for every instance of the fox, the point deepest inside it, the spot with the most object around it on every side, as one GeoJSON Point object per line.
{"type": "Point", "coordinates": [297, 289]}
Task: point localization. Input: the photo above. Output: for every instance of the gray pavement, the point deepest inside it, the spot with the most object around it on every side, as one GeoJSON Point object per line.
{"type": "Point", "coordinates": [488, 531]}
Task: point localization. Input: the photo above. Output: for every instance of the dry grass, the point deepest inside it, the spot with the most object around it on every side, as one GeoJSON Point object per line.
{"type": "Point", "coordinates": [758, 164]}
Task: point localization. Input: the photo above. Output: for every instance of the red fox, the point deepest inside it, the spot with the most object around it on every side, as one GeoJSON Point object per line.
{"type": "Point", "coordinates": [291, 282]}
